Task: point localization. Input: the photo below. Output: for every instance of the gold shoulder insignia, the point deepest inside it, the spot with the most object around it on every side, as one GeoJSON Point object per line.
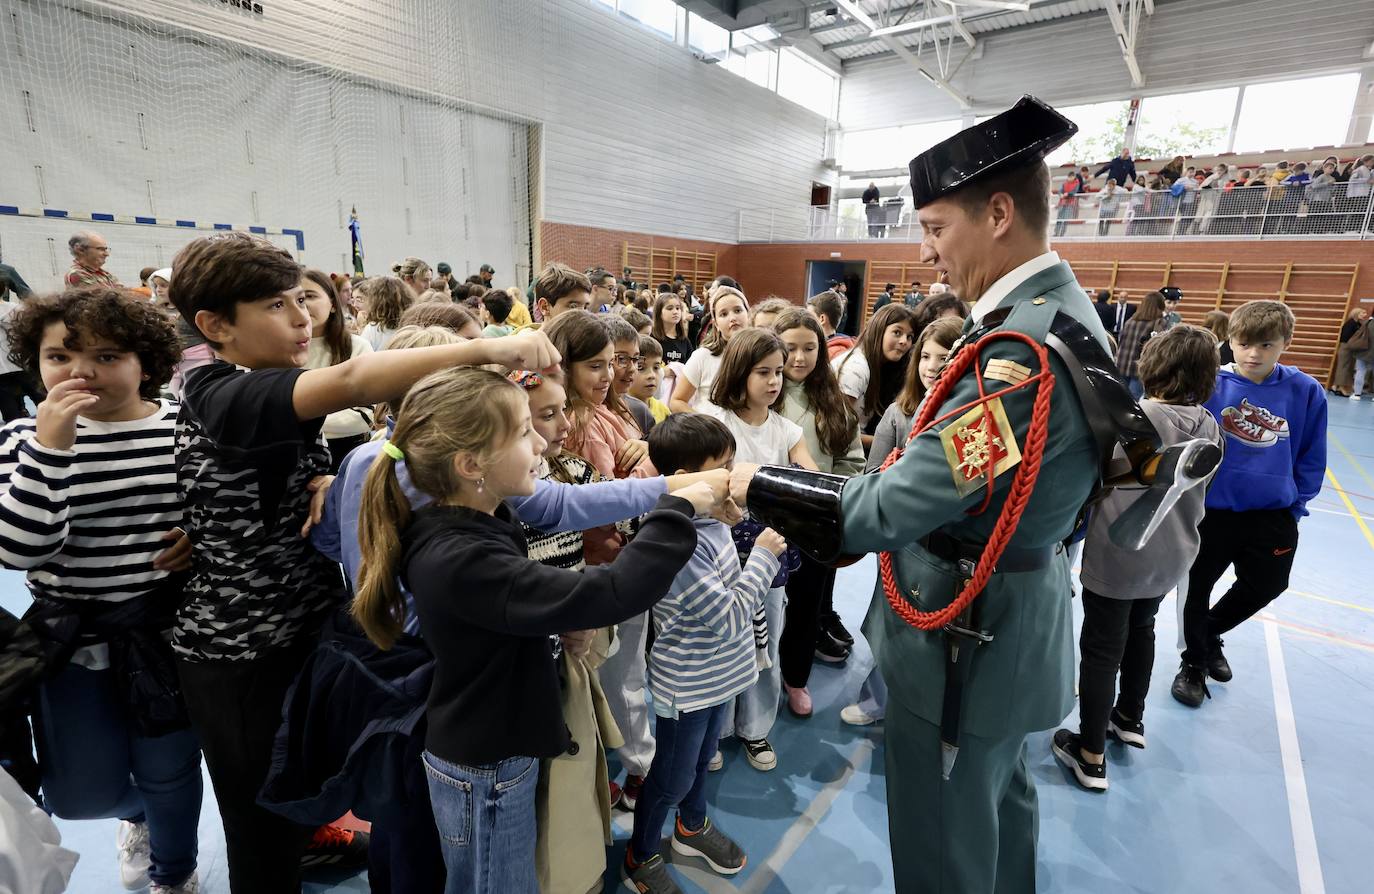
{"type": "Point", "coordinates": [1039, 301]}
{"type": "Point", "coordinates": [1008, 371]}
{"type": "Point", "coordinates": [981, 437]}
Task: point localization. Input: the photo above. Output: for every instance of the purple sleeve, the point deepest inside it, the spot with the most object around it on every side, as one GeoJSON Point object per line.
{"type": "Point", "coordinates": [555, 506]}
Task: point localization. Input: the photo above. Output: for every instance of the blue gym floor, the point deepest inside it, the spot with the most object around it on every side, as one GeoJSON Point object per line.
{"type": "Point", "coordinates": [1266, 788]}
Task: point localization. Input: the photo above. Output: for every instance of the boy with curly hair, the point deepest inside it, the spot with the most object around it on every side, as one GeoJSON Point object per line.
{"type": "Point", "coordinates": [89, 509]}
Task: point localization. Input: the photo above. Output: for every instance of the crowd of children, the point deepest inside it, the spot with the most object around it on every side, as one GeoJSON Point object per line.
{"type": "Point", "coordinates": [480, 504]}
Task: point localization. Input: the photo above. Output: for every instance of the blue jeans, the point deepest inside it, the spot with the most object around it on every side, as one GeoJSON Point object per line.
{"type": "Point", "coordinates": [677, 777]}
{"type": "Point", "coordinates": [94, 767]}
{"type": "Point", "coordinates": [873, 694]}
{"type": "Point", "coordinates": [485, 817]}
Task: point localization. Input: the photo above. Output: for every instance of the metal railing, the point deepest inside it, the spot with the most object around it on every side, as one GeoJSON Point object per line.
{"type": "Point", "coordinates": [1327, 211]}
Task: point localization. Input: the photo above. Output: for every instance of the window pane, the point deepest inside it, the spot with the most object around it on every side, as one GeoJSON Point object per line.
{"type": "Point", "coordinates": [1183, 124]}
{"type": "Point", "coordinates": [657, 15]}
{"type": "Point", "coordinates": [706, 37]}
{"type": "Point", "coordinates": [758, 67]}
{"type": "Point", "coordinates": [805, 83]}
{"type": "Point", "coordinates": [867, 150]}
{"type": "Point", "coordinates": [1296, 114]}
{"type": "Point", "coordinates": [1101, 130]}
{"type": "Point", "coordinates": [892, 147]}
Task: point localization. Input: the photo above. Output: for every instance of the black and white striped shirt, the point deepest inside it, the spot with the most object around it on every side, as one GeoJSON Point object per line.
{"type": "Point", "coordinates": [87, 523]}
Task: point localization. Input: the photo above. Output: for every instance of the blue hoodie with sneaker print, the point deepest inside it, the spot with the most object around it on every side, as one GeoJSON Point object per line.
{"type": "Point", "coordinates": [1275, 440]}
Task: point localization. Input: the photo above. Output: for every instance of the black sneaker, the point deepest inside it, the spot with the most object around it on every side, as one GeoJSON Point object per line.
{"type": "Point", "coordinates": [1190, 686]}
{"type": "Point", "coordinates": [711, 845]}
{"type": "Point", "coordinates": [1092, 777]}
{"type": "Point", "coordinates": [335, 847]}
{"type": "Point", "coordinates": [1218, 668]}
{"type": "Point", "coordinates": [831, 624]}
{"type": "Point", "coordinates": [1127, 732]}
{"type": "Point", "coordinates": [760, 754]}
{"type": "Point", "coordinates": [830, 650]}
{"type": "Point", "coordinates": [649, 877]}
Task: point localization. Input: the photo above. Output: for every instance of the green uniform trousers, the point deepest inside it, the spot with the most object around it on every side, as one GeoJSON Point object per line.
{"type": "Point", "coordinates": [974, 834]}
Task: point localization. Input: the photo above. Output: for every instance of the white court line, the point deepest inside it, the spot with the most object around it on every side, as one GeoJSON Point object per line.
{"type": "Point", "coordinates": [788, 845]}
{"type": "Point", "coordinates": [1299, 809]}
{"type": "Point", "coordinates": [796, 833]}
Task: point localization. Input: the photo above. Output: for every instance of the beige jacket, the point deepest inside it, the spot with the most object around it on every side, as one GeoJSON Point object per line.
{"type": "Point", "coordinates": [570, 855]}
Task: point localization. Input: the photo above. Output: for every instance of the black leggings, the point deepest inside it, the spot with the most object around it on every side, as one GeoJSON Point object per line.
{"type": "Point", "coordinates": [808, 588]}
{"type": "Point", "coordinates": [1117, 634]}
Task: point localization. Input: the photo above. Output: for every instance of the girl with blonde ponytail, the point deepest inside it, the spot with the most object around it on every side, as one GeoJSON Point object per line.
{"type": "Point", "coordinates": [487, 611]}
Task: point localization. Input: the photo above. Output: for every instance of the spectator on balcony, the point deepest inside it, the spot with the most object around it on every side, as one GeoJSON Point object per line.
{"type": "Point", "coordinates": [1108, 206]}
{"type": "Point", "coordinates": [1212, 188]}
{"type": "Point", "coordinates": [1074, 186]}
{"type": "Point", "coordinates": [1321, 203]}
{"type": "Point", "coordinates": [1356, 202]}
{"type": "Point", "coordinates": [1169, 173]}
{"type": "Point", "coordinates": [1336, 163]}
{"type": "Point", "coordinates": [1186, 190]}
{"type": "Point", "coordinates": [1285, 199]}
{"type": "Point", "coordinates": [873, 210]}
{"type": "Point", "coordinates": [89, 251]}
{"type": "Point", "coordinates": [1121, 169]}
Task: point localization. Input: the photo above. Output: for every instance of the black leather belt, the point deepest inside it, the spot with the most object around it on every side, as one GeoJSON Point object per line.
{"type": "Point", "coordinates": [951, 549]}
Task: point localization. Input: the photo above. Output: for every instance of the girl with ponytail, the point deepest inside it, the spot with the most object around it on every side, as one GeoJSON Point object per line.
{"type": "Point", "coordinates": [488, 611]}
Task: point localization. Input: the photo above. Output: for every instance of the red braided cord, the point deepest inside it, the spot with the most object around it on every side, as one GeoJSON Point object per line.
{"type": "Point", "coordinates": [1023, 483]}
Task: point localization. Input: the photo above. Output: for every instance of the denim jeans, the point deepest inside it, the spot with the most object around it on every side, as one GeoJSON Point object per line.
{"type": "Point", "coordinates": [677, 777]}
{"type": "Point", "coordinates": [95, 768]}
{"type": "Point", "coordinates": [485, 817]}
{"type": "Point", "coordinates": [873, 694]}
{"type": "Point", "coordinates": [752, 714]}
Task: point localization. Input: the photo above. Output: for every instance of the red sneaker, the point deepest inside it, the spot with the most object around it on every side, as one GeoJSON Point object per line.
{"type": "Point", "coordinates": [1245, 429]}
{"type": "Point", "coordinates": [629, 793]}
{"type": "Point", "coordinates": [615, 793]}
{"type": "Point", "coordinates": [337, 848]}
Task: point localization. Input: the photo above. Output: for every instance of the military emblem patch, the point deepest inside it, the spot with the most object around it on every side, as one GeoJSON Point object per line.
{"type": "Point", "coordinates": [980, 438]}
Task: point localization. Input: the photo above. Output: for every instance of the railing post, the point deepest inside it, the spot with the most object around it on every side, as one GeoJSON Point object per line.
{"type": "Point", "coordinates": [1264, 213]}
{"type": "Point", "coordinates": [1368, 212]}
{"type": "Point", "coordinates": [739, 225]}
{"type": "Point", "coordinates": [772, 214]}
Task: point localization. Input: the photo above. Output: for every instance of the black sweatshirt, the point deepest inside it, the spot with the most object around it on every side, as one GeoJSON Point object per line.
{"type": "Point", "coordinates": [487, 612]}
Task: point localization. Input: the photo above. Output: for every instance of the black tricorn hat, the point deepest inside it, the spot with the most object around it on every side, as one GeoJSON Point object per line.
{"type": "Point", "coordinates": [1028, 130]}
{"type": "Point", "coordinates": [1171, 293]}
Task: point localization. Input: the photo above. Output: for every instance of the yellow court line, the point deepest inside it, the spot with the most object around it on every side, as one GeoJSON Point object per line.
{"type": "Point", "coordinates": [1340, 491]}
{"type": "Point", "coordinates": [1351, 459]}
{"type": "Point", "coordinates": [1358, 608]}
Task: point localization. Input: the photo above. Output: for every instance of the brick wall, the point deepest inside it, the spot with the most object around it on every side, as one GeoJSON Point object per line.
{"type": "Point", "coordinates": [584, 247]}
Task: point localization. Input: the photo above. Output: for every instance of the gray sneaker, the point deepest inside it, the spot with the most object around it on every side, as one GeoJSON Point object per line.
{"type": "Point", "coordinates": [711, 845]}
{"type": "Point", "coordinates": [650, 877]}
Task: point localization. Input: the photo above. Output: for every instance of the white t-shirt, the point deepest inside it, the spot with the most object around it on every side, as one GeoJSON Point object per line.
{"type": "Point", "coordinates": [701, 370]}
{"type": "Point", "coordinates": [376, 336]}
{"type": "Point", "coordinates": [853, 377]}
{"type": "Point", "coordinates": [769, 443]}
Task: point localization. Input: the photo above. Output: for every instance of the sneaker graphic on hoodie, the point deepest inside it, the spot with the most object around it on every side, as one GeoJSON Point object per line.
{"type": "Point", "coordinates": [1244, 428]}
{"type": "Point", "coordinates": [1272, 421]}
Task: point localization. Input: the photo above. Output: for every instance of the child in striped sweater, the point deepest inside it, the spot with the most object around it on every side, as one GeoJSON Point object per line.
{"type": "Point", "coordinates": [89, 509]}
{"type": "Point", "coordinates": [702, 658]}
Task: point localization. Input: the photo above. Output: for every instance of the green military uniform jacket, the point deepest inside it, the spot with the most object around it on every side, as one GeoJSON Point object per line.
{"type": "Point", "coordinates": [1022, 680]}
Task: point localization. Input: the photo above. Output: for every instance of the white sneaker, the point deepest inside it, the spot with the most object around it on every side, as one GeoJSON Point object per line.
{"type": "Point", "coordinates": [716, 762]}
{"type": "Point", "coordinates": [856, 716]}
{"type": "Point", "coordinates": [190, 886]}
{"type": "Point", "coordinates": [1353, 396]}
{"type": "Point", "coordinates": [135, 855]}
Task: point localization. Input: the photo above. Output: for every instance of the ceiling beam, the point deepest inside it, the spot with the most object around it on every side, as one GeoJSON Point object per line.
{"type": "Point", "coordinates": [957, 26]}
{"type": "Point", "coordinates": [857, 13]}
{"type": "Point", "coordinates": [1127, 29]}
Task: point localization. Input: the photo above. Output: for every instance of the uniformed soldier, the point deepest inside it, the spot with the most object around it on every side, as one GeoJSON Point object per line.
{"type": "Point", "coordinates": [961, 803]}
